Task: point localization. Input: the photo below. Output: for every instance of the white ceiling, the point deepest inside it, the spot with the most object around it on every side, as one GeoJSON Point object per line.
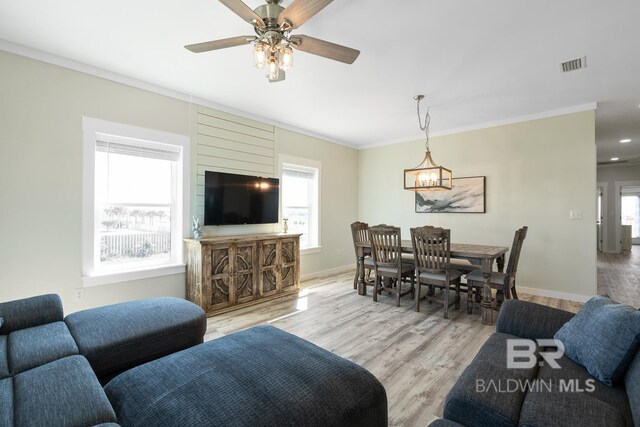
{"type": "Point", "coordinates": [476, 61]}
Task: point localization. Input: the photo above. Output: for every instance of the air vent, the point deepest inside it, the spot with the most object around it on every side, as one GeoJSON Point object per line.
{"type": "Point", "coordinates": [574, 64]}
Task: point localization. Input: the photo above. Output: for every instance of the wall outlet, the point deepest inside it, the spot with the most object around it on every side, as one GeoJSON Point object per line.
{"type": "Point", "coordinates": [78, 293]}
{"type": "Point", "coordinates": [575, 214]}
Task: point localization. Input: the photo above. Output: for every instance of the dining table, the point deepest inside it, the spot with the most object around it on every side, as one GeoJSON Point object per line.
{"type": "Point", "coordinates": [481, 255]}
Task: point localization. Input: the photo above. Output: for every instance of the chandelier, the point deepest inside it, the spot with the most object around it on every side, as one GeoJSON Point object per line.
{"type": "Point", "coordinates": [427, 175]}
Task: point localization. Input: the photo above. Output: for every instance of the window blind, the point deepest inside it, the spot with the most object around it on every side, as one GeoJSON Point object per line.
{"type": "Point", "coordinates": [297, 173]}
{"type": "Point", "coordinates": [136, 150]}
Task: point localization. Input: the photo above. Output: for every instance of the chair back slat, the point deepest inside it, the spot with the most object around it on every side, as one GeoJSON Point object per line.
{"type": "Point", "coordinates": [386, 245]}
{"type": "Point", "coordinates": [516, 247]}
{"type": "Point", "coordinates": [360, 233]}
{"type": "Point", "coordinates": [431, 248]}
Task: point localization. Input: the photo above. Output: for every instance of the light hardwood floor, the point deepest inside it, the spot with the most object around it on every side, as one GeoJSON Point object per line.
{"type": "Point", "coordinates": [619, 276]}
{"type": "Point", "coordinates": [417, 356]}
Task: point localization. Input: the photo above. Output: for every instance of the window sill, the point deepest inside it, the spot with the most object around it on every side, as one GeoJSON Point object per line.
{"type": "Point", "coordinates": [310, 250]}
{"type": "Point", "coordinates": [126, 276]}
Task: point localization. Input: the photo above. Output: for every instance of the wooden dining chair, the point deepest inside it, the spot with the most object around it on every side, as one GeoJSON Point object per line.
{"type": "Point", "coordinates": [360, 234]}
{"type": "Point", "coordinates": [386, 249]}
{"type": "Point", "coordinates": [432, 256]}
{"type": "Point", "coordinates": [504, 283]}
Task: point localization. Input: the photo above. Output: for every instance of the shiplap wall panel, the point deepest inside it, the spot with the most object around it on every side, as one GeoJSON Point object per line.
{"type": "Point", "coordinates": [209, 141]}
{"type": "Point", "coordinates": [231, 144]}
{"type": "Point", "coordinates": [233, 118]}
{"type": "Point", "coordinates": [234, 136]}
{"type": "Point", "coordinates": [234, 127]}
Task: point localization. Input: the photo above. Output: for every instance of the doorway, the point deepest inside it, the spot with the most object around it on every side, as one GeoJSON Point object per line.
{"type": "Point", "coordinates": [630, 211]}
{"type": "Point", "coordinates": [601, 216]}
{"type": "Point", "coordinates": [627, 214]}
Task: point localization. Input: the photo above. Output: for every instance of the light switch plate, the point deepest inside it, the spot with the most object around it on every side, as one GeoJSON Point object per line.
{"type": "Point", "coordinates": [575, 214]}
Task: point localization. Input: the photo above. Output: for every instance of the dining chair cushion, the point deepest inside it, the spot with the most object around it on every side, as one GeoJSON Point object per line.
{"type": "Point", "coordinates": [496, 277]}
{"type": "Point", "coordinates": [391, 271]}
{"type": "Point", "coordinates": [453, 275]}
{"type": "Point", "coordinates": [368, 262]}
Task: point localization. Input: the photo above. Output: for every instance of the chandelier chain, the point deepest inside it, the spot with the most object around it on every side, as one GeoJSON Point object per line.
{"type": "Point", "coordinates": [425, 127]}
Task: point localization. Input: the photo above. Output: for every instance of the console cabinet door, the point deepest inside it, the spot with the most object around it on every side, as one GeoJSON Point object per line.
{"type": "Point", "coordinates": [288, 263]}
{"type": "Point", "coordinates": [218, 267]}
{"type": "Point", "coordinates": [244, 272]}
{"type": "Point", "coordinates": [268, 283]}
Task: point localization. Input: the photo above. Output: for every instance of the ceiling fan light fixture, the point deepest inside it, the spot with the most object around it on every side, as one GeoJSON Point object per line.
{"type": "Point", "coordinates": [273, 68]}
{"type": "Point", "coordinates": [285, 57]}
{"type": "Point", "coordinates": [259, 55]}
{"type": "Point", "coordinates": [273, 44]}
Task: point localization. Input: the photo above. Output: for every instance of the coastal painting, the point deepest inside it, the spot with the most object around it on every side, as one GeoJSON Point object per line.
{"type": "Point", "coordinates": [466, 196]}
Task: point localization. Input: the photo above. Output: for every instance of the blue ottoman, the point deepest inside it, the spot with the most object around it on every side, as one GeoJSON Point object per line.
{"type": "Point", "coordinates": [117, 337]}
{"type": "Point", "coordinates": [258, 377]}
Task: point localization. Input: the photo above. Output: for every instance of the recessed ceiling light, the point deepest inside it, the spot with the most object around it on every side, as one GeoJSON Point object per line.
{"type": "Point", "coordinates": [624, 141]}
{"type": "Point", "coordinates": [615, 159]}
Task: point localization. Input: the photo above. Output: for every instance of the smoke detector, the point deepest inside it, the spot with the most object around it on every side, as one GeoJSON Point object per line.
{"type": "Point", "coordinates": [573, 64]}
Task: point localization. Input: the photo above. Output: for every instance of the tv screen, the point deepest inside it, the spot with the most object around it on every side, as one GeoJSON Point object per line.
{"type": "Point", "coordinates": [239, 199]}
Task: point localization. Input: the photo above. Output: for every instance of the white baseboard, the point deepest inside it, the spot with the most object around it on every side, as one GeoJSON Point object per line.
{"type": "Point", "coordinates": [553, 294]}
{"type": "Point", "coordinates": [327, 273]}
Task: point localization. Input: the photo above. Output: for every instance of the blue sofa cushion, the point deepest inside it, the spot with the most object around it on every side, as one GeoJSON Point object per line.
{"type": "Point", "coordinates": [614, 400]}
{"type": "Point", "coordinates": [61, 393]}
{"type": "Point", "coordinates": [4, 358]}
{"type": "Point", "coordinates": [1, 322]}
{"type": "Point", "coordinates": [32, 347]}
{"type": "Point", "coordinates": [260, 376]}
{"type": "Point", "coordinates": [6, 402]}
{"type": "Point", "coordinates": [479, 397]}
{"type": "Point", "coordinates": [118, 337]}
{"type": "Point", "coordinates": [29, 312]}
{"type": "Point", "coordinates": [632, 385]}
{"type": "Point", "coordinates": [603, 337]}
{"type": "Point", "coordinates": [560, 408]}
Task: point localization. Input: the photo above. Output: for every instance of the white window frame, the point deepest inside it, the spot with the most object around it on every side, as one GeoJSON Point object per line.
{"type": "Point", "coordinates": [94, 129]}
{"type": "Point", "coordinates": [315, 217]}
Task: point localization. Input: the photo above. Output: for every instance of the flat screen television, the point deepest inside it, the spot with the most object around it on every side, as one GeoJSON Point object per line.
{"type": "Point", "coordinates": [240, 199]}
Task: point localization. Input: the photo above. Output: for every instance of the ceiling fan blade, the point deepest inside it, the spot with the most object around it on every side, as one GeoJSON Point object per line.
{"type": "Point", "coordinates": [300, 11]}
{"type": "Point", "coordinates": [244, 12]}
{"type": "Point", "coordinates": [220, 44]}
{"type": "Point", "coordinates": [325, 48]}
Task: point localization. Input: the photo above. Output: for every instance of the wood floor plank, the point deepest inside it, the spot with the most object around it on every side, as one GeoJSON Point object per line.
{"type": "Point", "coordinates": [619, 276]}
{"type": "Point", "coordinates": [417, 356]}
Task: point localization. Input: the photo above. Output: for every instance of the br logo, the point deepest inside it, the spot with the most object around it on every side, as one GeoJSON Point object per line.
{"type": "Point", "coordinates": [522, 353]}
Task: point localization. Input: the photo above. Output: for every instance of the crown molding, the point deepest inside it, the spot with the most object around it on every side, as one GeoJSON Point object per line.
{"type": "Point", "coordinates": [508, 121]}
{"type": "Point", "coordinates": [70, 64]}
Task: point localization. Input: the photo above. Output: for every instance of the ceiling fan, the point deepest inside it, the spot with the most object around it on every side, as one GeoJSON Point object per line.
{"type": "Point", "coordinates": [273, 44]}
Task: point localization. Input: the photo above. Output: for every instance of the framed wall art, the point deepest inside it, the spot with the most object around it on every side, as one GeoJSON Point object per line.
{"type": "Point", "coordinates": [467, 195]}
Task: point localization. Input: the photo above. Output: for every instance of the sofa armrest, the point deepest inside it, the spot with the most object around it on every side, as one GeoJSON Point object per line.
{"type": "Point", "coordinates": [29, 312]}
{"type": "Point", "coordinates": [530, 320]}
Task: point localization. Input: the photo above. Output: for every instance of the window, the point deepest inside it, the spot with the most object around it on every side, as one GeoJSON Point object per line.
{"type": "Point", "coordinates": [133, 202]}
{"type": "Point", "coordinates": [300, 199]}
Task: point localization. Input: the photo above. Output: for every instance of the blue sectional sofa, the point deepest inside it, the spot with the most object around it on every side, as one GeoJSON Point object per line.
{"type": "Point", "coordinates": [563, 396]}
{"type": "Point", "coordinates": [51, 367]}
{"type": "Point", "coordinates": [143, 363]}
